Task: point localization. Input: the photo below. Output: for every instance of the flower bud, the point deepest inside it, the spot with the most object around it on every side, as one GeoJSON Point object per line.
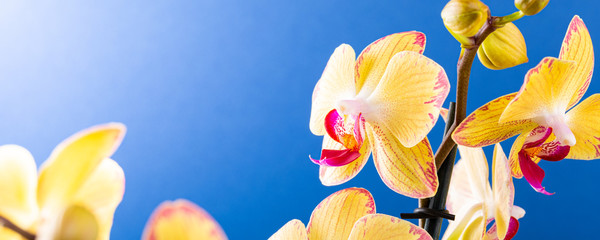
{"type": "Point", "coordinates": [531, 7]}
{"type": "Point", "coordinates": [504, 48]}
{"type": "Point", "coordinates": [465, 17]}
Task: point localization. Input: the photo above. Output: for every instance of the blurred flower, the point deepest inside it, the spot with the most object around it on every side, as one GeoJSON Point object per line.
{"type": "Point", "coordinates": [503, 48]}
{"type": "Point", "coordinates": [464, 18]}
{"type": "Point", "coordinates": [538, 112]}
{"type": "Point", "coordinates": [182, 220]}
{"type": "Point", "coordinates": [531, 7]}
{"type": "Point", "coordinates": [386, 101]}
{"type": "Point", "coordinates": [476, 204]}
{"type": "Point", "coordinates": [350, 214]}
{"type": "Point", "coordinates": [77, 191]}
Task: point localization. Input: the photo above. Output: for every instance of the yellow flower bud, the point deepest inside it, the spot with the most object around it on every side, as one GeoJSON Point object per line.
{"type": "Point", "coordinates": [504, 48]}
{"type": "Point", "coordinates": [465, 17]}
{"type": "Point", "coordinates": [531, 7]}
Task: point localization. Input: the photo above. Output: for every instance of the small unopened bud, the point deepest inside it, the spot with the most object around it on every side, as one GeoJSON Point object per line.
{"type": "Point", "coordinates": [504, 48]}
{"type": "Point", "coordinates": [465, 17]}
{"type": "Point", "coordinates": [531, 7]}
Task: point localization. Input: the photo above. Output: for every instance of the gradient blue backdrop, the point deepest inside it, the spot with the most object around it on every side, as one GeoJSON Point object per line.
{"type": "Point", "coordinates": [216, 96]}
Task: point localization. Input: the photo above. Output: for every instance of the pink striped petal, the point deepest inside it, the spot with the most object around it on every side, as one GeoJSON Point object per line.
{"type": "Point", "coordinates": [336, 158]}
{"type": "Point", "coordinates": [533, 173]}
{"type": "Point", "coordinates": [553, 151]}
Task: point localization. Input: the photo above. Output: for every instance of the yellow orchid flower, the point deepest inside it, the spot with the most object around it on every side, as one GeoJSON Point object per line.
{"type": "Point", "coordinates": [538, 112]}
{"type": "Point", "coordinates": [182, 220]}
{"type": "Point", "coordinates": [476, 204]}
{"type": "Point", "coordinates": [386, 101]}
{"type": "Point", "coordinates": [76, 193]}
{"type": "Point", "coordinates": [349, 214]}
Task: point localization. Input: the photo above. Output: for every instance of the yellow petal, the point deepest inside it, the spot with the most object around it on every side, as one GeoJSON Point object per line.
{"type": "Point", "coordinates": [334, 217]}
{"type": "Point", "coordinates": [584, 122]}
{"type": "Point", "coordinates": [577, 46]}
{"type": "Point", "coordinates": [293, 230]}
{"type": "Point", "coordinates": [546, 91]}
{"type": "Point", "coordinates": [503, 191]}
{"type": "Point", "coordinates": [482, 128]}
{"type": "Point", "coordinates": [409, 96]}
{"type": "Point", "coordinates": [102, 193]}
{"type": "Point", "coordinates": [331, 176]}
{"type": "Point", "coordinates": [408, 171]}
{"type": "Point", "coordinates": [336, 83]}
{"type": "Point", "coordinates": [478, 172]}
{"type": "Point", "coordinates": [18, 180]}
{"type": "Point", "coordinates": [73, 161]}
{"type": "Point", "coordinates": [7, 234]}
{"type": "Point", "coordinates": [181, 220]}
{"type": "Point", "coordinates": [373, 60]}
{"type": "Point", "coordinates": [475, 229]}
{"type": "Point", "coordinates": [381, 226]}
{"type": "Point", "coordinates": [465, 216]}
{"type": "Point", "coordinates": [76, 223]}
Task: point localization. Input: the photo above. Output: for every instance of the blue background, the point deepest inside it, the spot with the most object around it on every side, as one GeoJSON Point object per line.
{"type": "Point", "coordinates": [216, 96]}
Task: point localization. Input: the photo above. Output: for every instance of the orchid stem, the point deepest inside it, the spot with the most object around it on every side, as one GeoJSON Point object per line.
{"type": "Point", "coordinates": [438, 202]}
{"type": "Point", "coordinates": [465, 62]}
{"type": "Point", "coordinates": [4, 222]}
{"type": "Point", "coordinates": [501, 21]}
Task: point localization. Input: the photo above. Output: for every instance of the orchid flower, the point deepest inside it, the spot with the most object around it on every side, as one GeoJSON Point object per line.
{"type": "Point", "coordinates": [350, 214]}
{"type": "Point", "coordinates": [386, 101]}
{"type": "Point", "coordinates": [182, 220]}
{"type": "Point", "coordinates": [476, 204]}
{"type": "Point", "coordinates": [76, 193]}
{"type": "Point", "coordinates": [538, 112]}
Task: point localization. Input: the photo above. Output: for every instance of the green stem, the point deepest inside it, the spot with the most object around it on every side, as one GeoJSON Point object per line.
{"type": "Point", "coordinates": [4, 222]}
{"type": "Point", "coordinates": [501, 21]}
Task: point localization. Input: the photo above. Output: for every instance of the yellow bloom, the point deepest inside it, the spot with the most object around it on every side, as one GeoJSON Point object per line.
{"type": "Point", "coordinates": [182, 220]}
{"type": "Point", "coordinates": [77, 191]}
{"type": "Point", "coordinates": [386, 101]}
{"type": "Point", "coordinates": [476, 204]}
{"type": "Point", "coordinates": [538, 112]}
{"type": "Point", "coordinates": [349, 214]}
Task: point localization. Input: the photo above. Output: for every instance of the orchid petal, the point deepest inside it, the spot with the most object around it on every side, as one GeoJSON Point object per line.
{"type": "Point", "coordinates": [102, 193]}
{"type": "Point", "coordinates": [373, 60]}
{"type": "Point", "coordinates": [408, 171]}
{"type": "Point", "coordinates": [76, 223]}
{"type": "Point", "coordinates": [478, 172]}
{"type": "Point", "coordinates": [334, 217]}
{"type": "Point", "coordinates": [331, 176]}
{"type": "Point", "coordinates": [336, 83]}
{"type": "Point", "coordinates": [482, 127]}
{"type": "Point", "coordinates": [504, 191]}
{"type": "Point", "coordinates": [292, 230]}
{"type": "Point", "coordinates": [546, 91]}
{"type": "Point", "coordinates": [381, 226]}
{"type": "Point", "coordinates": [409, 97]}
{"type": "Point", "coordinates": [18, 180]}
{"type": "Point", "coordinates": [577, 46]}
{"type": "Point", "coordinates": [182, 219]}
{"type": "Point", "coordinates": [553, 151]}
{"type": "Point", "coordinates": [475, 229]}
{"type": "Point", "coordinates": [513, 157]}
{"type": "Point", "coordinates": [73, 161]}
{"type": "Point", "coordinates": [517, 212]}
{"type": "Point", "coordinates": [533, 173]}
{"type": "Point", "coordinates": [457, 227]}
{"type": "Point", "coordinates": [336, 158]}
{"type": "Point", "coordinates": [460, 193]}
{"type": "Point", "coordinates": [584, 122]}
{"type": "Point", "coordinates": [513, 228]}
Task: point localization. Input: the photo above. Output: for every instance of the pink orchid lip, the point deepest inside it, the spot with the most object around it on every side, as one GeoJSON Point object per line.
{"type": "Point", "coordinates": [513, 227]}
{"type": "Point", "coordinates": [336, 129]}
{"type": "Point", "coordinates": [336, 158]}
{"type": "Point", "coordinates": [533, 173]}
